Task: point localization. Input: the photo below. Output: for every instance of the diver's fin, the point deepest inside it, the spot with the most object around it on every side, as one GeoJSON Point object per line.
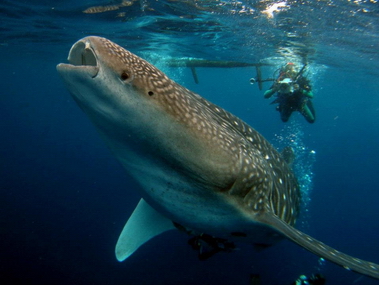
{"type": "Point", "coordinates": [320, 249]}
{"type": "Point", "coordinates": [288, 155]}
{"type": "Point", "coordinates": [144, 224]}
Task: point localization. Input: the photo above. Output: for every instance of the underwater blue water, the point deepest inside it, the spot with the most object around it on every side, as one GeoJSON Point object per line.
{"type": "Point", "coordinates": [64, 197]}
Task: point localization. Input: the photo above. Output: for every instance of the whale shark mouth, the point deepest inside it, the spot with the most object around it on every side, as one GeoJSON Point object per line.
{"type": "Point", "coordinates": [82, 55]}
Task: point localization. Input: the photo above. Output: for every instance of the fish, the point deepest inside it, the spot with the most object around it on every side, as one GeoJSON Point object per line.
{"type": "Point", "coordinates": [201, 169]}
{"type": "Point", "coordinates": [107, 8]}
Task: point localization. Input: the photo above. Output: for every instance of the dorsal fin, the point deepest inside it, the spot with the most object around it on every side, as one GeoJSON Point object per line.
{"type": "Point", "coordinates": [144, 224]}
{"type": "Point", "coordinates": [319, 248]}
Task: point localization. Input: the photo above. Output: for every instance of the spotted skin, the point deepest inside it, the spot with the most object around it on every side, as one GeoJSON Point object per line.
{"type": "Point", "coordinates": [198, 165]}
{"type": "Point", "coordinates": [262, 165]}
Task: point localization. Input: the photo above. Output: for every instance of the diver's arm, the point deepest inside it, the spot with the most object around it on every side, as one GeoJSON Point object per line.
{"type": "Point", "coordinates": [270, 92]}
{"type": "Point", "coordinates": [307, 93]}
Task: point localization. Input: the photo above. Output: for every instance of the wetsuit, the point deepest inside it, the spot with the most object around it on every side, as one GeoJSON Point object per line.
{"type": "Point", "coordinates": [298, 100]}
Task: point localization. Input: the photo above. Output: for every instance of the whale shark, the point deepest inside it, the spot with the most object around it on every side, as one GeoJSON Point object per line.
{"type": "Point", "coordinates": [201, 169]}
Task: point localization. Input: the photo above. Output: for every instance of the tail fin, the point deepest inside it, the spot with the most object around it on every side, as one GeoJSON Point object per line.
{"type": "Point", "coordinates": [320, 249]}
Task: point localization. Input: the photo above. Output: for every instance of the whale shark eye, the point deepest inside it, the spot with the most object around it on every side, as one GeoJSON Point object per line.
{"type": "Point", "coordinates": [124, 76]}
{"type": "Point", "coordinates": [151, 93]}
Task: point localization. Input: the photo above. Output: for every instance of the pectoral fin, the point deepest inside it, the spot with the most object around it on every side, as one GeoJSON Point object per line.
{"type": "Point", "coordinates": [320, 249]}
{"type": "Point", "coordinates": [144, 224]}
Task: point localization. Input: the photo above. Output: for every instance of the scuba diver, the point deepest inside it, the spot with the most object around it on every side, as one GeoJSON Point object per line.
{"type": "Point", "coordinates": [315, 279]}
{"type": "Point", "coordinates": [293, 93]}
{"type": "Point", "coordinates": [207, 245]}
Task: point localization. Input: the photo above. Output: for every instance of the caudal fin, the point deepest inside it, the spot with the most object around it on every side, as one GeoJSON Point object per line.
{"type": "Point", "coordinates": [321, 249]}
